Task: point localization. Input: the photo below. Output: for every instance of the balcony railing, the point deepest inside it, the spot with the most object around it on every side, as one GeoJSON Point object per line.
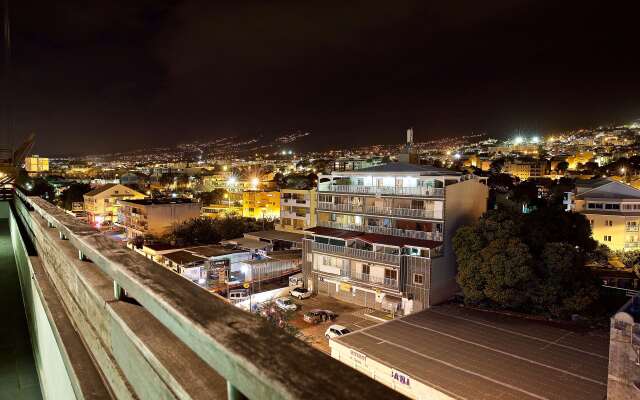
{"type": "Point", "coordinates": [376, 256]}
{"type": "Point", "coordinates": [295, 202]}
{"type": "Point", "coordinates": [631, 228]}
{"type": "Point", "coordinates": [422, 235]}
{"type": "Point", "coordinates": [376, 280]}
{"type": "Point", "coordinates": [632, 245]}
{"type": "Point", "coordinates": [206, 329]}
{"type": "Point", "coordinates": [396, 212]}
{"type": "Point", "coordinates": [383, 190]}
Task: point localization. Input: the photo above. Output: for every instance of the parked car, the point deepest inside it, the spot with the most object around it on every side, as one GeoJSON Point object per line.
{"type": "Point", "coordinates": [316, 316]}
{"type": "Point", "coordinates": [335, 331]}
{"type": "Point", "coordinates": [286, 304]}
{"type": "Point", "coordinates": [300, 293]}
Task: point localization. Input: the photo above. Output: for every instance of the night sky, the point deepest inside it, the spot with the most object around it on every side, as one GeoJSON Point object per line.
{"type": "Point", "coordinates": [120, 75]}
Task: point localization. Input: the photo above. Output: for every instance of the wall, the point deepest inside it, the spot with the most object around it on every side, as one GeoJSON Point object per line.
{"type": "Point", "coordinates": [55, 380]}
{"type": "Point", "coordinates": [465, 202]}
{"type": "Point", "coordinates": [383, 374]}
{"type": "Point", "coordinates": [624, 342]}
{"type": "Point", "coordinates": [138, 357]}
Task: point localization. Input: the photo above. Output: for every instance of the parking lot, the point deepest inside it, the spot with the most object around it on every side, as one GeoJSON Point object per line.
{"type": "Point", "coordinates": [348, 315]}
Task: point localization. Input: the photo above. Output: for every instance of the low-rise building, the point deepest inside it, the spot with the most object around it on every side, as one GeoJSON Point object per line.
{"type": "Point", "coordinates": [527, 169]}
{"type": "Point", "coordinates": [613, 210]}
{"type": "Point", "coordinates": [35, 164]}
{"type": "Point", "coordinates": [155, 217]}
{"type": "Point", "coordinates": [297, 210]}
{"type": "Point", "coordinates": [102, 203]}
{"type": "Point", "coordinates": [261, 204]}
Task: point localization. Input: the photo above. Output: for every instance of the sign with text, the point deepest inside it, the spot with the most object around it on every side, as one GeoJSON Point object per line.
{"type": "Point", "coordinates": [401, 378]}
{"type": "Point", "coordinates": [357, 357]}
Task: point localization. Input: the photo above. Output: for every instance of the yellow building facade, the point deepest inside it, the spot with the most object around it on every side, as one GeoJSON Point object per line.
{"type": "Point", "coordinates": [36, 164]}
{"type": "Point", "coordinates": [261, 204]}
{"type": "Point", "coordinates": [103, 202]}
{"type": "Point", "coordinates": [613, 211]}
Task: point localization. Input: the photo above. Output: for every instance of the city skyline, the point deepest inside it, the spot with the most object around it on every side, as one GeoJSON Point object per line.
{"type": "Point", "coordinates": [122, 75]}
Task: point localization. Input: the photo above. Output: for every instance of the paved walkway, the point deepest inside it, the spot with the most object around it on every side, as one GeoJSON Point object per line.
{"type": "Point", "coordinates": [18, 377]}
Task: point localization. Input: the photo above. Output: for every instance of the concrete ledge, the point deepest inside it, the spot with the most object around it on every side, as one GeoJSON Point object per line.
{"type": "Point", "coordinates": [261, 361]}
{"type": "Point", "coordinates": [85, 379]}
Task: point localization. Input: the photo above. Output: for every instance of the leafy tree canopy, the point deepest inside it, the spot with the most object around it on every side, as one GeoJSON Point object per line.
{"type": "Point", "coordinates": [527, 262]}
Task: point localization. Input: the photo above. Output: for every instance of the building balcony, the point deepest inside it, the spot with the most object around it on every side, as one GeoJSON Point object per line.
{"type": "Point", "coordinates": [295, 202]}
{"type": "Point", "coordinates": [385, 258]}
{"type": "Point", "coordinates": [383, 190]}
{"type": "Point", "coordinates": [422, 235]}
{"type": "Point", "coordinates": [375, 280]}
{"type": "Point", "coordinates": [632, 245]}
{"type": "Point", "coordinates": [395, 212]}
{"type": "Point", "coordinates": [631, 228]}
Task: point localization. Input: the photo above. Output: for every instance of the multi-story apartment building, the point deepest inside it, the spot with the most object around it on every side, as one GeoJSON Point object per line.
{"type": "Point", "coordinates": [384, 234]}
{"type": "Point", "coordinates": [102, 203]}
{"type": "Point", "coordinates": [260, 204]}
{"type": "Point", "coordinates": [35, 164]}
{"type": "Point", "coordinates": [297, 210]}
{"type": "Point", "coordinates": [155, 217]}
{"type": "Point", "coordinates": [613, 210]}
{"type": "Point", "coordinates": [527, 169]}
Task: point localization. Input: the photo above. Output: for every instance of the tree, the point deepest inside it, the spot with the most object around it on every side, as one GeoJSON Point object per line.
{"type": "Point", "coordinates": [527, 262]}
{"type": "Point", "coordinates": [502, 183]}
{"type": "Point", "coordinates": [74, 193]}
{"type": "Point", "coordinates": [569, 287]}
{"type": "Point", "coordinates": [562, 166]}
{"type": "Point", "coordinates": [38, 187]}
{"type": "Point", "coordinates": [507, 267]}
{"type": "Point", "coordinates": [525, 192]}
{"type": "Point", "coordinates": [214, 197]}
{"type": "Point", "coordinates": [210, 231]}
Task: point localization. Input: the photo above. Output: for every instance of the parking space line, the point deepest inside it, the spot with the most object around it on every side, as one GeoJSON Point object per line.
{"type": "Point", "coordinates": [521, 334]}
{"type": "Point", "coordinates": [506, 353]}
{"type": "Point", "coordinates": [512, 387]}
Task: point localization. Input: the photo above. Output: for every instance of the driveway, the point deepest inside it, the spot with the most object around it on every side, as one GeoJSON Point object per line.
{"type": "Point", "coordinates": [349, 315]}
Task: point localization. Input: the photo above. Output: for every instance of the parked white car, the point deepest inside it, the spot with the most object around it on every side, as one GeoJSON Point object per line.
{"type": "Point", "coordinates": [286, 304]}
{"type": "Point", "coordinates": [335, 331]}
{"type": "Point", "coordinates": [300, 293]}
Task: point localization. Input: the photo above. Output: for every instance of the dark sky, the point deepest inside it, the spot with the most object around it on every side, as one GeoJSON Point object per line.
{"type": "Point", "coordinates": [95, 76]}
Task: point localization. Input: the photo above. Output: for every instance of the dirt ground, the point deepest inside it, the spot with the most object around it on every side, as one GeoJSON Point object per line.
{"type": "Point", "coordinates": [349, 315]}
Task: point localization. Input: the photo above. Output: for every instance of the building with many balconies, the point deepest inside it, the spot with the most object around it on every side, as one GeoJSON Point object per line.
{"type": "Point", "coordinates": [297, 210]}
{"type": "Point", "coordinates": [384, 234]}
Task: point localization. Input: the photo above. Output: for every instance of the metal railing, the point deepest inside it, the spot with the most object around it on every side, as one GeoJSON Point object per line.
{"type": "Point", "coordinates": [422, 235]}
{"type": "Point", "coordinates": [396, 212]}
{"type": "Point", "coordinates": [384, 258]}
{"type": "Point", "coordinates": [238, 346]}
{"type": "Point", "coordinates": [376, 280]}
{"type": "Point", "coordinates": [421, 191]}
{"type": "Point", "coordinates": [295, 202]}
{"type": "Point", "coordinates": [632, 245]}
{"type": "Point", "coordinates": [631, 228]}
